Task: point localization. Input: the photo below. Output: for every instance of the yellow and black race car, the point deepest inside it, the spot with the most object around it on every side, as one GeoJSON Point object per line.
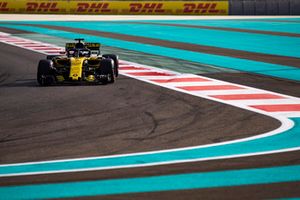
{"type": "Point", "coordinates": [82, 62]}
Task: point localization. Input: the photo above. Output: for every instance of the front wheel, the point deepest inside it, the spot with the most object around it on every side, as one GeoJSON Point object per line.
{"type": "Point", "coordinates": [115, 58]}
{"type": "Point", "coordinates": [107, 73]}
{"type": "Point", "coordinates": [45, 75]}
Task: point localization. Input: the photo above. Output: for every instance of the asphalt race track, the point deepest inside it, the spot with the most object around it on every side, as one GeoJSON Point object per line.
{"type": "Point", "coordinates": [131, 116]}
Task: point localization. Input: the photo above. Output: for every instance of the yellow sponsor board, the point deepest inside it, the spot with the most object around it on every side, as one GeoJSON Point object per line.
{"type": "Point", "coordinates": [115, 7]}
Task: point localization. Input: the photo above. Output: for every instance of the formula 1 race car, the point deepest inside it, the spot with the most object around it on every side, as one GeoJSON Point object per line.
{"type": "Point", "coordinates": [81, 62]}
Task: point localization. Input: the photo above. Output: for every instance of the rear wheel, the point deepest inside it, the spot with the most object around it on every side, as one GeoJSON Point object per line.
{"type": "Point", "coordinates": [50, 57]}
{"type": "Point", "coordinates": [115, 58]}
{"type": "Point", "coordinates": [106, 71]}
{"type": "Point", "coordinates": [45, 74]}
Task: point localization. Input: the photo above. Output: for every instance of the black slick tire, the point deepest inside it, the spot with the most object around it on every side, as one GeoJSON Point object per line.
{"type": "Point", "coordinates": [45, 75]}
{"type": "Point", "coordinates": [106, 69]}
{"type": "Point", "coordinates": [115, 58]}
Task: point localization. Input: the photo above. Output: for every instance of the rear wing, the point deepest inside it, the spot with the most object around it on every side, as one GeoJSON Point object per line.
{"type": "Point", "coordinates": [70, 46]}
{"type": "Point", "coordinates": [93, 46]}
{"type": "Point", "coordinates": [88, 45]}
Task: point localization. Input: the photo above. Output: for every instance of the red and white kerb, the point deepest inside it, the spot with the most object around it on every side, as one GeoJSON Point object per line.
{"type": "Point", "coordinates": [249, 98]}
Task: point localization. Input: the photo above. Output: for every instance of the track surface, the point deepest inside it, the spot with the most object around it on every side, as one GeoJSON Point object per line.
{"type": "Point", "coordinates": [73, 121]}
{"type": "Point", "coordinates": [129, 116]}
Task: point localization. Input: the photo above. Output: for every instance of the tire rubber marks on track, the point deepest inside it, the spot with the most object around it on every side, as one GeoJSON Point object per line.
{"type": "Point", "coordinates": [253, 99]}
{"type": "Point", "coordinates": [237, 95]}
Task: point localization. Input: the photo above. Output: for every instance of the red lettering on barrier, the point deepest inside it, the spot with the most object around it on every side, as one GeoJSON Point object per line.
{"type": "Point", "coordinates": [189, 7]}
{"type": "Point", "coordinates": [3, 6]}
{"type": "Point", "coordinates": [93, 7]}
{"type": "Point", "coordinates": [149, 7]}
{"type": "Point", "coordinates": [42, 7]}
{"type": "Point", "coordinates": [200, 8]}
{"type": "Point", "coordinates": [54, 7]}
{"type": "Point", "coordinates": [96, 7]}
{"type": "Point", "coordinates": [146, 8]}
{"type": "Point", "coordinates": [32, 6]}
{"type": "Point", "coordinates": [159, 7]}
{"type": "Point", "coordinates": [135, 7]}
{"type": "Point", "coordinates": [213, 8]}
{"type": "Point", "coordinates": [82, 7]}
{"type": "Point", "coordinates": [48, 7]}
{"type": "Point", "coordinates": [105, 8]}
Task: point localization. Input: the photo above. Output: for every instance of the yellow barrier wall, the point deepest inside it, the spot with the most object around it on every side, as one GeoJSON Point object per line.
{"type": "Point", "coordinates": [115, 7]}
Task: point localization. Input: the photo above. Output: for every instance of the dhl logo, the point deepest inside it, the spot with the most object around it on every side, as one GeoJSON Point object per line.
{"type": "Point", "coordinates": [3, 6]}
{"type": "Point", "coordinates": [114, 7]}
{"type": "Point", "coordinates": [93, 7]}
{"type": "Point", "coordinates": [200, 8]}
{"type": "Point", "coordinates": [146, 8]}
{"type": "Point", "coordinates": [41, 6]}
